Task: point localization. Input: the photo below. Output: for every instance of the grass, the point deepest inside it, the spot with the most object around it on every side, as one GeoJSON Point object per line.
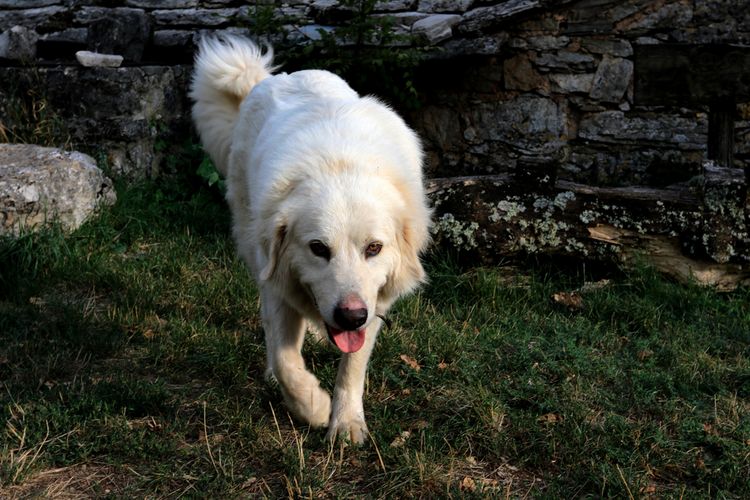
{"type": "Point", "coordinates": [131, 363]}
{"type": "Point", "coordinates": [27, 115]}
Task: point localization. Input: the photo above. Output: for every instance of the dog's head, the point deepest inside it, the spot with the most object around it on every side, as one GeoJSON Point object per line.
{"type": "Point", "coordinates": [350, 246]}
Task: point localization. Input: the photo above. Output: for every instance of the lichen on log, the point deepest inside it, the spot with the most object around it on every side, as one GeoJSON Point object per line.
{"type": "Point", "coordinates": [703, 223]}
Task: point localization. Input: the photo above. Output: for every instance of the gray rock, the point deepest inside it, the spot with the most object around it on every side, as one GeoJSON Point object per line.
{"type": "Point", "coordinates": [37, 19]}
{"type": "Point", "coordinates": [647, 40]}
{"type": "Point", "coordinates": [445, 5]}
{"type": "Point", "coordinates": [115, 109]}
{"type": "Point", "coordinates": [122, 31]}
{"type": "Point", "coordinates": [615, 127]}
{"type": "Point", "coordinates": [224, 3]}
{"type": "Point", "coordinates": [628, 164]}
{"type": "Point", "coordinates": [617, 48]}
{"type": "Point", "coordinates": [404, 18]}
{"type": "Point", "coordinates": [96, 60]}
{"type": "Point", "coordinates": [482, 18]}
{"type": "Point", "coordinates": [435, 28]}
{"type": "Point", "coordinates": [18, 44]}
{"type": "Point", "coordinates": [85, 15]}
{"type": "Point", "coordinates": [27, 4]}
{"type": "Point", "coordinates": [547, 42]}
{"type": "Point", "coordinates": [441, 125]}
{"type": "Point", "coordinates": [314, 32]}
{"type": "Point", "coordinates": [612, 79]}
{"type": "Point", "coordinates": [134, 160]}
{"type": "Point", "coordinates": [162, 4]}
{"type": "Point", "coordinates": [197, 17]}
{"type": "Point", "coordinates": [488, 45]}
{"type": "Point", "coordinates": [572, 82]}
{"type": "Point", "coordinates": [394, 5]}
{"type": "Point", "coordinates": [329, 12]}
{"type": "Point", "coordinates": [172, 38]}
{"type": "Point", "coordinates": [531, 125]}
{"type": "Point", "coordinates": [291, 13]}
{"type": "Point", "coordinates": [668, 16]}
{"type": "Point", "coordinates": [566, 61]}
{"type": "Point", "coordinates": [69, 35]}
{"type": "Point", "coordinates": [39, 185]}
{"type": "Point", "coordinates": [521, 75]}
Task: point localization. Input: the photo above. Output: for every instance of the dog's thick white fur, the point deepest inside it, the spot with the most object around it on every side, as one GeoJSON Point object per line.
{"type": "Point", "coordinates": [328, 211]}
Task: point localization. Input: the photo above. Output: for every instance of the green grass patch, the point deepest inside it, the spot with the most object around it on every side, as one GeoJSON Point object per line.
{"type": "Point", "coordinates": [132, 361]}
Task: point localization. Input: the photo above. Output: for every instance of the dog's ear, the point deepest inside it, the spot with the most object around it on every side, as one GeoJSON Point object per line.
{"type": "Point", "coordinates": [275, 247]}
{"type": "Point", "coordinates": [409, 272]}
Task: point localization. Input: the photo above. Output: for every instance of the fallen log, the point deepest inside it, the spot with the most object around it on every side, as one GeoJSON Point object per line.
{"type": "Point", "coordinates": [694, 231]}
{"type": "Point", "coordinates": [665, 255]}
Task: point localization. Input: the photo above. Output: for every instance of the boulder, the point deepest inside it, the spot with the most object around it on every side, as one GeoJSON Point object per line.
{"type": "Point", "coordinates": [39, 185]}
{"type": "Point", "coordinates": [435, 28]}
{"type": "Point", "coordinates": [18, 43]}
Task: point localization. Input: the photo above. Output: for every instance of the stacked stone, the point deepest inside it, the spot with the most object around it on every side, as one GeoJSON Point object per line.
{"type": "Point", "coordinates": [154, 30]}
{"type": "Point", "coordinates": [132, 26]}
{"type": "Point", "coordinates": [39, 185]}
{"type": "Point", "coordinates": [512, 82]}
{"type": "Point", "coordinates": [560, 91]}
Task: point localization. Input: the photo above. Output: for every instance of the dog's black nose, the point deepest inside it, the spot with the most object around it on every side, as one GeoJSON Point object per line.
{"type": "Point", "coordinates": [350, 319]}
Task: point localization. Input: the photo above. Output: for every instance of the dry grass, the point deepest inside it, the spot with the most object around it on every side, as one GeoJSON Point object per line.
{"type": "Point", "coordinates": [132, 360]}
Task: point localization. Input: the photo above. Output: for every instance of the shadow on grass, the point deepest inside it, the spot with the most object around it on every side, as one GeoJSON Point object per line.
{"type": "Point", "coordinates": [122, 320]}
{"type": "Point", "coordinates": [135, 344]}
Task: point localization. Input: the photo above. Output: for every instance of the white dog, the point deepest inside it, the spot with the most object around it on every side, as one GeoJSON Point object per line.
{"type": "Point", "coordinates": [328, 209]}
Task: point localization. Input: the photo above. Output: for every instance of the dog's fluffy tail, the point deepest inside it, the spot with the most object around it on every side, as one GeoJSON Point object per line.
{"type": "Point", "coordinates": [226, 69]}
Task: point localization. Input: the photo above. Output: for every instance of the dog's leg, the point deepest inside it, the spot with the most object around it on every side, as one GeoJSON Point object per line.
{"type": "Point", "coordinates": [285, 333]}
{"type": "Point", "coordinates": [348, 415]}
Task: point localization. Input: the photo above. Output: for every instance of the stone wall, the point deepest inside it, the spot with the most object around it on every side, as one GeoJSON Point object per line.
{"type": "Point", "coordinates": [501, 83]}
{"type": "Point", "coordinates": [560, 89]}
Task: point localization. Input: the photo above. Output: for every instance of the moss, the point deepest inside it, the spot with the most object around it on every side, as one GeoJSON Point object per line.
{"type": "Point", "coordinates": [461, 234]}
{"type": "Point", "coordinates": [505, 210]}
{"type": "Point", "coordinates": [562, 199]}
{"type": "Point", "coordinates": [589, 216]}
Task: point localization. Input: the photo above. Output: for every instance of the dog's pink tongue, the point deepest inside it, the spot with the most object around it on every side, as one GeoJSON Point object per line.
{"type": "Point", "coordinates": [348, 341]}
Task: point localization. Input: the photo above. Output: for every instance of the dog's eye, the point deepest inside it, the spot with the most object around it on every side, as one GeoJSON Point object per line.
{"type": "Point", "coordinates": [373, 249]}
{"type": "Point", "coordinates": [319, 249]}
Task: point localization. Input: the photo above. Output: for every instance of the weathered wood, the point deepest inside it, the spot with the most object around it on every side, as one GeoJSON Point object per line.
{"type": "Point", "coordinates": [676, 195]}
{"type": "Point", "coordinates": [491, 218]}
{"type": "Point", "coordinates": [667, 256]}
{"type": "Point", "coordinates": [721, 132]}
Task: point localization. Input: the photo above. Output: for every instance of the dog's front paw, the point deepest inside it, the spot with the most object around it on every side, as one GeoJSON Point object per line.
{"type": "Point", "coordinates": [319, 410]}
{"type": "Point", "coordinates": [312, 406]}
{"type": "Point", "coordinates": [353, 431]}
